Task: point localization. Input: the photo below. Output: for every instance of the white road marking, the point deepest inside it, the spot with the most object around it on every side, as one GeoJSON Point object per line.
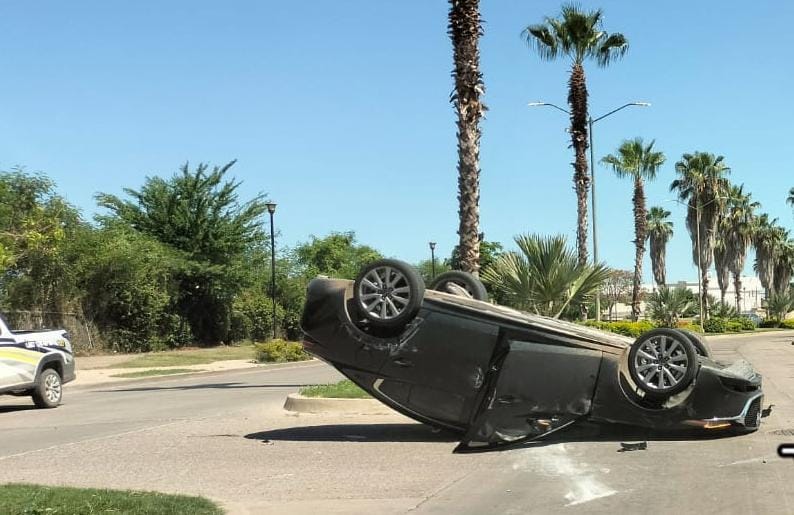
{"type": "Point", "coordinates": [553, 461]}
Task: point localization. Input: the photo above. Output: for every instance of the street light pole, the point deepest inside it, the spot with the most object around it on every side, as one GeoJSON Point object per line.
{"type": "Point", "coordinates": [432, 259]}
{"type": "Point", "coordinates": [590, 122]}
{"type": "Point", "coordinates": [271, 208]}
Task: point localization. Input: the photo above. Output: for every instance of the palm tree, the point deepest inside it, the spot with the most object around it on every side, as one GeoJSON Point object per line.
{"type": "Point", "coordinates": [721, 257]}
{"type": "Point", "coordinates": [701, 184]}
{"type": "Point", "coordinates": [737, 228]}
{"type": "Point", "coordinates": [544, 276]}
{"type": "Point", "coordinates": [465, 30]}
{"type": "Point", "coordinates": [638, 162]}
{"type": "Point", "coordinates": [660, 230]}
{"type": "Point", "coordinates": [578, 35]}
{"type": "Point", "coordinates": [767, 236]}
{"type": "Point", "coordinates": [784, 261]}
{"type": "Point", "coordinates": [790, 199]}
{"type": "Point", "coordinates": [668, 304]}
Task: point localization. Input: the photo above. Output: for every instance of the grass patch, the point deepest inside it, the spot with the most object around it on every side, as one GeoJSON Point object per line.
{"type": "Point", "coordinates": [345, 389]}
{"type": "Point", "coordinates": [19, 499]}
{"type": "Point", "coordinates": [157, 372]}
{"type": "Point", "coordinates": [175, 358]}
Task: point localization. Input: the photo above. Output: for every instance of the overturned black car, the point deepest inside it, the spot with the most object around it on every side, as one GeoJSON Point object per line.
{"type": "Point", "coordinates": [447, 357]}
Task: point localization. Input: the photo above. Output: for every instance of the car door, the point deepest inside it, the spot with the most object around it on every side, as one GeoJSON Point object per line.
{"type": "Point", "coordinates": [18, 365]}
{"type": "Point", "coordinates": [439, 372]}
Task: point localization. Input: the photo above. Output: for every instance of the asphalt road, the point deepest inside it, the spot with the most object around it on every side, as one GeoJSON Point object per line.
{"type": "Point", "coordinates": [225, 436]}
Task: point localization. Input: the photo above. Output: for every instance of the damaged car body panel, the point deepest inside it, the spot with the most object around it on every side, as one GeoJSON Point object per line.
{"type": "Point", "coordinates": [498, 376]}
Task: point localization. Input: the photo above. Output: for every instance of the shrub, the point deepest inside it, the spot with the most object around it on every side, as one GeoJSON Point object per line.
{"type": "Point", "coordinates": [733, 326]}
{"type": "Point", "coordinates": [715, 325]}
{"type": "Point", "coordinates": [770, 322]}
{"type": "Point", "coordinates": [695, 328]}
{"type": "Point", "coordinates": [747, 323]}
{"type": "Point", "coordinates": [626, 328]}
{"type": "Point", "coordinates": [279, 351]}
{"type": "Point", "coordinates": [787, 324]}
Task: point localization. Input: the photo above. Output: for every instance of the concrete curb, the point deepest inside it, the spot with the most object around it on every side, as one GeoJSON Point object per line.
{"type": "Point", "coordinates": [300, 404]}
{"type": "Point", "coordinates": [780, 333]}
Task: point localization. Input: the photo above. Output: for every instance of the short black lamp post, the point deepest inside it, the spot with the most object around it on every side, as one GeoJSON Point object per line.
{"type": "Point", "coordinates": [433, 259]}
{"type": "Point", "coordinates": [271, 208]}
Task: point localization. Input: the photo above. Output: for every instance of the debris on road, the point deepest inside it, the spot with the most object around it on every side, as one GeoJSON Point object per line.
{"type": "Point", "coordinates": [766, 411]}
{"type": "Point", "coordinates": [638, 446]}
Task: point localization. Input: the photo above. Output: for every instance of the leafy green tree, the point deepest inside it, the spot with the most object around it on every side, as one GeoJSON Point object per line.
{"type": "Point", "coordinates": [702, 185]}
{"type": "Point", "coordinates": [667, 305]}
{"type": "Point", "coordinates": [36, 226]}
{"type": "Point", "coordinates": [336, 255]}
{"type": "Point", "coordinates": [638, 162]}
{"type": "Point", "coordinates": [128, 284]}
{"type": "Point", "coordinates": [199, 214]}
{"type": "Point", "coordinates": [578, 36]}
{"type": "Point", "coordinates": [464, 30]}
{"type": "Point", "coordinates": [544, 276]}
{"type": "Point", "coordinates": [425, 268]}
{"type": "Point", "coordinates": [617, 288]}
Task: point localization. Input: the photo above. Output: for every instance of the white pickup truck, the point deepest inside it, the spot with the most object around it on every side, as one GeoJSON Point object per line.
{"type": "Point", "coordinates": [35, 363]}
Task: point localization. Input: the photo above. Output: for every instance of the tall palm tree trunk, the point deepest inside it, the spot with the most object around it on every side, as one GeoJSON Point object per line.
{"type": "Point", "coordinates": [721, 253]}
{"type": "Point", "coordinates": [737, 286]}
{"type": "Point", "coordinates": [577, 99]}
{"type": "Point", "coordinates": [640, 233]}
{"type": "Point", "coordinates": [465, 30]}
{"type": "Point", "coordinates": [658, 252]}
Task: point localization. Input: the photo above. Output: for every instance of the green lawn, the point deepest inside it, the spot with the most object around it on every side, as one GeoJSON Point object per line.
{"type": "Point", "coordinates": [157, 372]}
{"type": "Point", "coordinates": [19, 499]}
{"type": "Point", "coordinates": [177, 358]}
{"type": "Point", "coordinates": [345, 389]}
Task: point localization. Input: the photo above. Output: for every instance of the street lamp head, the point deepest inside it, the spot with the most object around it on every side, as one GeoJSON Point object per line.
{"type": "Point", "coordinates": [271, 207]}
{"type": "Point", "coordinates": [432, 245]}
{"type": "Point", "coordinates": [641, 104]}
{"type": "Point", "coordinates": [536, 104]}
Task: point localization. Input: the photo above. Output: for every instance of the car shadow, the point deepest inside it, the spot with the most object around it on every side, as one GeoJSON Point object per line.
{"type": "Point", "coordinates": [621, 435]}
{"type": "Point", "coordinates": [220, 386]}
{"type": "Point", "coordinates": [627, 438]}
{"type": "Point", "coordinates": [16, 407]}
{"type": "Point", "coordinates": [356, 433]}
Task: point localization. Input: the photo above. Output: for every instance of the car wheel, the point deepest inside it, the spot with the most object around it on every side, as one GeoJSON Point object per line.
{"type": "Point", "coordinates": [49, 390]}
{"type": "Point", "coordinates": [662, 362]}
{"type": "Point", "coordinates": [701, 347]}
{"type": "Point", "coordinates": [388, 293]}
{"type": "Point", "coordinates": [460, 283]}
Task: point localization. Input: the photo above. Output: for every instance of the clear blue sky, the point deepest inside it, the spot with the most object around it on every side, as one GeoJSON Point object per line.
{"type": "Point", "coordinates": [339, 110]}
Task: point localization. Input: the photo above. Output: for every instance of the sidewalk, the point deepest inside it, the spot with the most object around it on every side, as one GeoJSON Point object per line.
{"type": "Point", "coordinates": [100, 376]}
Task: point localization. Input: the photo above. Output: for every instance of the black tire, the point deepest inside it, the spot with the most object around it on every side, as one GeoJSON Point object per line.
{"type": "Point", "coordinates": [394, 298]}
{"type": "Point", "coordinates": [48, 391]}
{"type": "Point", "coordinates": [645, 367]}
{"type": "Point", "coordinates": [701, 347]}
{"type": "Point", "coordinates": [461, 283]}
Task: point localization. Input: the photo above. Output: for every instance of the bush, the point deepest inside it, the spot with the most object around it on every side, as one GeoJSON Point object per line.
{"type": "Point", "coordinates": [695, 328]}
{"type": "Point", "coordinates": [279, 351]}
{"type": "Point", "coordinates": [787, 324]}
{"type": "Point", "coordinates": [746, 323]}
{"type": "Point", "coordinates": [626, 328]}
{"type": "Point", "coordinates": [770, 322]}
{"type": "Point", "coordinates": [252, 317]}
{"type": "Point", "coordinates": [733, 326]}
{"type": "Point", "coordinates": [715, 325]}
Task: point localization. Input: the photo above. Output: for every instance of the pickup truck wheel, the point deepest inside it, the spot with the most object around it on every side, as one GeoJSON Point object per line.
{"type": "Point", "coordinates": [49, 390]}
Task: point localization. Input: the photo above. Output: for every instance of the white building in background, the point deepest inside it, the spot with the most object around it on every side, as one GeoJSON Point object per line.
{"type": "Point", "coordinates": [750, 296]}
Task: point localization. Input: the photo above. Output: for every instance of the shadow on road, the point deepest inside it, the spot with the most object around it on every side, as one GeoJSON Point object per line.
{"type": "Point", "coordinates": [221, 386]}
{"type": "Point", "coordinates": [357, 433]}
{"type": "Point", "coordinates": [16, 407]}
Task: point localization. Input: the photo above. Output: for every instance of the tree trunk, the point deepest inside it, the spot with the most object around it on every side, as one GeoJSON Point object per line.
{"type": "Point", "coordinates": [639, 243]}
{"type": "Point", "coordinates": [737, 285]}
{"type": "Point", "coordinates": [704, 294]}
{"type": "Point", "coordinates": [465, 30]}
{"type": "Point", "coordinates": [577, 99]}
